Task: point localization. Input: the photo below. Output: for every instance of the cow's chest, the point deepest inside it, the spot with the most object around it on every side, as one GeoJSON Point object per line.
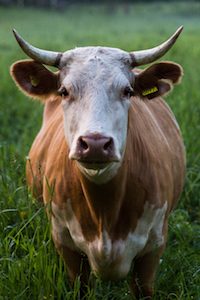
{"type": "Point", "coordinates": [109, 258]}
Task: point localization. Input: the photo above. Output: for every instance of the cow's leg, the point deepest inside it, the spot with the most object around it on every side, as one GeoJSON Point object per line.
{"type": "Point", "coordinates": [144, 273]}
{"type": "Point", "coordinates": [77, 267]}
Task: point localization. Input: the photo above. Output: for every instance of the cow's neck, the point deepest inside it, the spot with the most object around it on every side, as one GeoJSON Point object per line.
{"type": "Point", "coordinates": [104, 201]}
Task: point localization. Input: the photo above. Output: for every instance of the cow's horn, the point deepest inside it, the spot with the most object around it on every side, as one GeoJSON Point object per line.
{"type": "Point", "coordinates": [147, 56]}
{"type": "Point", "coordinates": [43, 56]}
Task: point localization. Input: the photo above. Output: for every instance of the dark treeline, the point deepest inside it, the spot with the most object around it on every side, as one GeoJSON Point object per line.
{"type": "Point", "coordinates": [65, 3]}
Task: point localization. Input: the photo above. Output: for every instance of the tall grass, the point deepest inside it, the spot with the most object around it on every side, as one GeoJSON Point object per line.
{"type": "Point", "coordinates": [29, 265]}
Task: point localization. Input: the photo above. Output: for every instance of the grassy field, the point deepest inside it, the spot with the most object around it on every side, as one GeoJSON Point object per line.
{"type": "Point", "coordinates": [29, 265]}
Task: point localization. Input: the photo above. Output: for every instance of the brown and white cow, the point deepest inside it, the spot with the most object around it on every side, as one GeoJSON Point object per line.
{"type": "Point", "coordinates": [110, 161]}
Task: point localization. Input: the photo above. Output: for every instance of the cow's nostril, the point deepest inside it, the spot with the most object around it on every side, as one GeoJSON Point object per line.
{"type": "Point", "coordinates": [83, 144]}
{"type": "Point", "coordinates": [95, 148]}
{"type": "Point", "coordinates": [108, 145]}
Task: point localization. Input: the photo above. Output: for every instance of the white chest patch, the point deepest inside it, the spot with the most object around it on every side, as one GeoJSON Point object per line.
{"type": "Point", "coordinates": [110, 259]}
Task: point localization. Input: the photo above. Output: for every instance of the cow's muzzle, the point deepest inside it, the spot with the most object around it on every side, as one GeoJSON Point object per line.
{"type": "Point", "coordinates": [95, 150]}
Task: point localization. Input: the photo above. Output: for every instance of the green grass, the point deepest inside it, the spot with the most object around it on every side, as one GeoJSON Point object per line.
{"type": "Point", "coordinates": [29, 265]}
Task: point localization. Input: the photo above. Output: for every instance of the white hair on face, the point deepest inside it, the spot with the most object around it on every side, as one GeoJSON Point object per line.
{"type": "Point", "coordinates": [97, 78]}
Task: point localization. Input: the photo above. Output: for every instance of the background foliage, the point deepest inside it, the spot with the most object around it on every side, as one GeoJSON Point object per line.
{"type": "Point", "coordinates": [29, 266]}
{"type": "Point", "coordinates": [60, 4]}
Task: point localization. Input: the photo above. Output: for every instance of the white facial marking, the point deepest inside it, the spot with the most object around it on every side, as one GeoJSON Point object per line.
{"type": "Point", "coordinates": [110, 259]}
{"type": "Point", "coordinates": [97, 78]}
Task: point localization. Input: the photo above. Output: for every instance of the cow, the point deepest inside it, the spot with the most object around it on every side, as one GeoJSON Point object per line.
{"type": "Point", "coordinates": [109, 160]}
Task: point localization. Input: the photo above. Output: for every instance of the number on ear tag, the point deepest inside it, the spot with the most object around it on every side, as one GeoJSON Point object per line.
{"type": "Point", "coordinates": [150, 91]}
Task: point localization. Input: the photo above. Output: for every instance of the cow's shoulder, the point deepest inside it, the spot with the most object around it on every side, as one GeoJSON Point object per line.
{"type": "Point", "coordinates": [47, 147]}
{"type": "Point", "coordinates": [155, 150]}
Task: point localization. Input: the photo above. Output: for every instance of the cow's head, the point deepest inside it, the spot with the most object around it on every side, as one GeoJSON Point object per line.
{"type": "Point", "coordinates": [96, 84]}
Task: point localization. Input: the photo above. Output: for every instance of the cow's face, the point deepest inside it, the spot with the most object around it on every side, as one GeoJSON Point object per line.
{"type": "Point", "coordinates": [96, 86]}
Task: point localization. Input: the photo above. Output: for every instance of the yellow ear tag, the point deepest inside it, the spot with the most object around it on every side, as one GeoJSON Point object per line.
{"type": "Point", "coordinates": [34, 80]}
{"type": "Point", "coordinates": [150, 91]}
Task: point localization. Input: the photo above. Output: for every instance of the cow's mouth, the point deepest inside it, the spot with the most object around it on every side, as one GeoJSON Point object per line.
{"type": "Point", "coordinates": [94, 165]}
{"type": "Point", "coordinates": [98, 171]}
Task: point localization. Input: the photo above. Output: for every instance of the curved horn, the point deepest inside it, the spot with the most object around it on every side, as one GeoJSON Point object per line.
{"type": "Point", "coordinates": [43, 56]}
{"type": "Point", "coordinates": [147, 56]}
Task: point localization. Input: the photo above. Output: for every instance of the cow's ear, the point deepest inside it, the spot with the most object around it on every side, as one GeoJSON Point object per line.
{"type": "Point", "coordinates": [157, 80]}
{"type": "Point", "coordinates": [34, 79]}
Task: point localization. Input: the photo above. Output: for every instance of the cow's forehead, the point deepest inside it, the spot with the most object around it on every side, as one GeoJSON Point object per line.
{"type": "Point", "coordinates": [93, 62]}
{"type": "Point", "coordinates": [83, 54]}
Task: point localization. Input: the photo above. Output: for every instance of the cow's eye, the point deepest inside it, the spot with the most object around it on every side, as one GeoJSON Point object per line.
{"type": "Point", "coordinates": [63, 92]}
{"type": "Point", "coordinates": [128, 92]}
